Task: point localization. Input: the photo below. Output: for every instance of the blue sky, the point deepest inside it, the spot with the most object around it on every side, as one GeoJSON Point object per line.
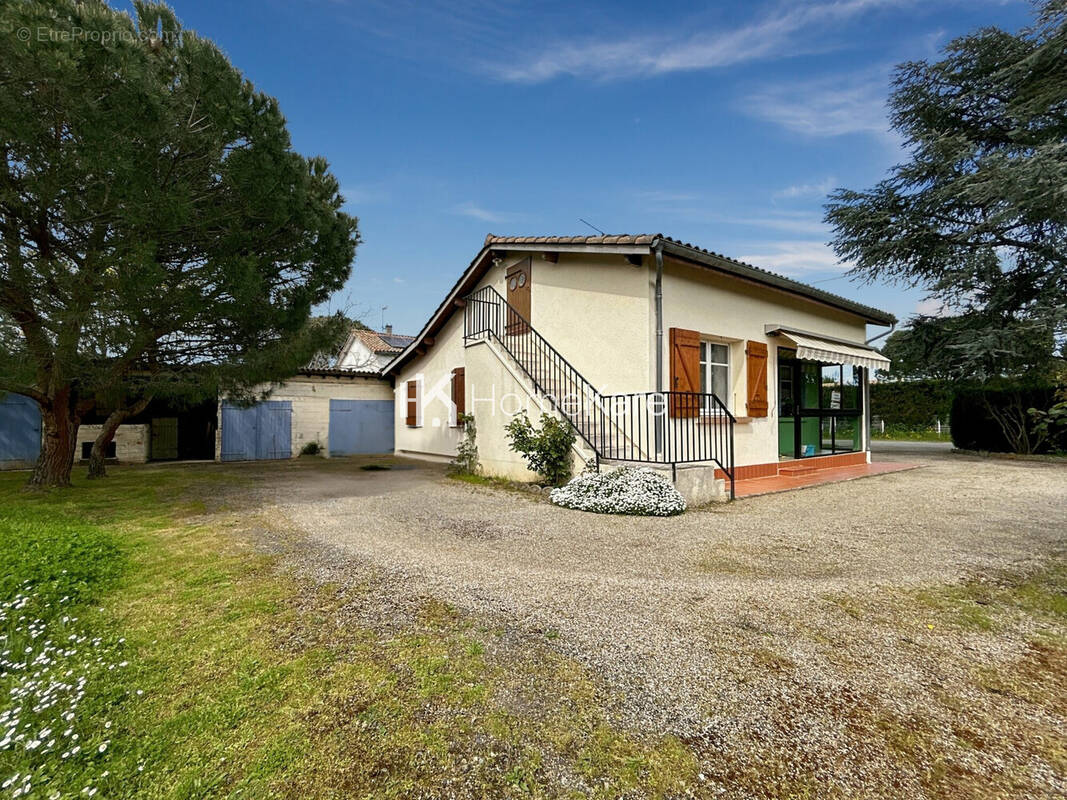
{"type": "Point", "coordinates": [723, 126]}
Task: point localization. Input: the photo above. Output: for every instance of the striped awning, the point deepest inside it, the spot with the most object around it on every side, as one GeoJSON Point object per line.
{"type": "Point", "coordinates": [831, 351]}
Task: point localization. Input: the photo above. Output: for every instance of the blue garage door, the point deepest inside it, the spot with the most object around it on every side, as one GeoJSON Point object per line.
{"type": "Point", "coordinates": [20, 431]}
{"type": "Point", "coordinates": [257, 433]}
{"type": "Point", "coordinates": [361, 426]}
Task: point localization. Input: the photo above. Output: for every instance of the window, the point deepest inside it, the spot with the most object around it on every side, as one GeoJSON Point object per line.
{"type": "Point", "coordinates": [715, 371]}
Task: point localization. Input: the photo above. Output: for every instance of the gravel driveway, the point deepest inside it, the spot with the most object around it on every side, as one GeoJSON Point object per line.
{"type": "Point", "coordinates": [740, 628]}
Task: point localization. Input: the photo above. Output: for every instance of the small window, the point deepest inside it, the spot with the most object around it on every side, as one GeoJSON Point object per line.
{"type": "Point", "coordinates": [715, 371]}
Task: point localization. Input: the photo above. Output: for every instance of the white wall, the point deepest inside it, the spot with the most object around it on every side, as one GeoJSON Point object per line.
{"type": "Point", "coordinates": [359, 356]}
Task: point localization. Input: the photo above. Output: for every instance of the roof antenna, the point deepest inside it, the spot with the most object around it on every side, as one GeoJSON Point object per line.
{"type": "Point", "coordinates": [594, 227]}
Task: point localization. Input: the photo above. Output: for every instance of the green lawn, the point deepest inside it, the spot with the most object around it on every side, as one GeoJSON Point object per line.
{"type": "Point", "coordinates": [149, 651]}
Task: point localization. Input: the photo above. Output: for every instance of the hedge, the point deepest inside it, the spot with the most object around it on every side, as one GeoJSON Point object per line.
{"type": "Point", "coordinates": [975, 428]}
{"type": "Point", "coordinates": [911, 404]}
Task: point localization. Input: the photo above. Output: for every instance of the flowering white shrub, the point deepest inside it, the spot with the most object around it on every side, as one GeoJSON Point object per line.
{"type": "Point", "coordinates": [629, 490]}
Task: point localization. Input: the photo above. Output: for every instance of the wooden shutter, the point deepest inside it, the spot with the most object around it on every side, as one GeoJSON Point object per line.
{"type": "Point", "coordinates": [459, 393]}
{"type": "Point", "coordinates": [756, 366]}
{"type": "Point", "coordinates": [413, 404]}
{"type": "Point", "coordinates": [685, 372]}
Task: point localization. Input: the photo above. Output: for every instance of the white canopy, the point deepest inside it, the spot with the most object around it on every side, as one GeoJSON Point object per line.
{"type": "Point", "coordinates": [815, 348]}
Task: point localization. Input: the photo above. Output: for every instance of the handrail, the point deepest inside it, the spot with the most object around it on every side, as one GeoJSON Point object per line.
{"type": "Point", "coordinates": [643, 427]}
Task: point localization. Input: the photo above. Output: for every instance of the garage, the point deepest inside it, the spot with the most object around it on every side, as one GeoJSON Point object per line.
{"type": "Point", "coordinates": [20, 432]}
{"type": "Point", "coordinates": [360, 426]}
{"type": "Point", "coordinates": [260, 432]}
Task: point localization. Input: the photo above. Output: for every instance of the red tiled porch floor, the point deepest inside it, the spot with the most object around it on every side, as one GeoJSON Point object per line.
{"type": "Point", "coordinates": [751, 487]}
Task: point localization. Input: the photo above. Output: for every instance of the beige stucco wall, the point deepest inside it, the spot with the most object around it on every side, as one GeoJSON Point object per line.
{"type": "Point", "coordinates": [310, 397]}
{"type": "Point", "coordinates": [735, 312]}
{"type": "Point", "coordinates": [435, 436]}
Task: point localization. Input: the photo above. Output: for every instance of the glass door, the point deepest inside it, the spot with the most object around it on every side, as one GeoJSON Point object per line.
{"type": "Point", "coordinates": [819, 407]}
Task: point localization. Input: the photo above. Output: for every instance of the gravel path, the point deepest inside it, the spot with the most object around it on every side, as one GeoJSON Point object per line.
{"type": "Point", "coordinates": [719, 622]}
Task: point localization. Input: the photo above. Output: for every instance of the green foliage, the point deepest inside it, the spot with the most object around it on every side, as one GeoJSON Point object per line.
{"type": "Point", "coordinates": [310, 449]}
{"type": "Point", "coordinates": [66, 558]}
{"type": "Point", "coordinates": [466, 460]}
{"type": "Point", "coordinates": [911, 404]}
{"type": "Point", "coordinates": [977, 216]}
{"type": "Point", "coordinates": [157, 222]}
{"type": "Point", "coordinates": [1001, 419]}
{"type": "Point", "coordinates": [1052, 423]}
{"type": "Point", "coordinates": [547, 451]}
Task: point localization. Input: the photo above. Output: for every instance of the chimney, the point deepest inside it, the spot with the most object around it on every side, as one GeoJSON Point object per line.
{"type": "Point", "coordinates": [389, 329]}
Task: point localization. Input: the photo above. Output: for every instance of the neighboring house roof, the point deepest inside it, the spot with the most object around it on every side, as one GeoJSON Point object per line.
{"type": "Point", "coordinates": [638, 245]}
{"type": "Point", "coordinates": [385, 343]}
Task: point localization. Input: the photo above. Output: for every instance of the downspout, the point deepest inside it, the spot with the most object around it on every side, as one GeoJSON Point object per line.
{"type": "Point", "coordinates": [659, 316]}
{"type": "Point", "coordinates": [659, 342]}
{"type": "Point", "coordinates": [867, 396]}
{"type": "Point", "coordinates": [892, 328]}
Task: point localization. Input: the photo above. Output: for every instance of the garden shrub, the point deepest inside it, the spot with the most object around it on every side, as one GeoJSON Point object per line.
{"type": "Point", "coordinates": [310, 449]}
{"type": "Point", "coordinates": [911, 405]}
{"type": "Point", "coordinates": [999, 419]}
{"type": "Point", "coordinates": [547, 451]}
{"type": "Point", "coordinates": [630, 490]}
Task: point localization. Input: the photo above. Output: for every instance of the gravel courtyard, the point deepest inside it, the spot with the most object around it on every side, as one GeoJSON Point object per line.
{"type": "Point", "coordinates": [793, 634]}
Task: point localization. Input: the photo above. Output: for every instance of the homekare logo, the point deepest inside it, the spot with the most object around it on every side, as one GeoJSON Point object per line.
{"type": "Point", "coordinates": [436, 407]}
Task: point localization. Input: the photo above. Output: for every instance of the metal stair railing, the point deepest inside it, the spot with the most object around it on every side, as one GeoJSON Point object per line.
{"type": "Point", "coordinates": [667, 428]}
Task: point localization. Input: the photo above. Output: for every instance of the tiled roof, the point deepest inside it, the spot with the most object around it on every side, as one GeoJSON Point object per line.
{"type": "Point", "coordinates": [738, 267]}
{"type": "Point", "coordinates": [384, 343]}
{"type": "Point", "coordinates": [640, 238]}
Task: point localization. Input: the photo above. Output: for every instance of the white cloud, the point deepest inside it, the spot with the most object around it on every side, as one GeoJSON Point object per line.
{"type": "Point", "coordinates": [486, 215]}
{"type": "Point", "coordinates": [790, 30]}
{"type": "Point", "coordinates": [819, 189]}
{"type": "Point", "coordinates": [931, 307]}
{"type": "Point", "coordinates": [796, 258]}
{"type": "Point", "coordinates": [831, 106]}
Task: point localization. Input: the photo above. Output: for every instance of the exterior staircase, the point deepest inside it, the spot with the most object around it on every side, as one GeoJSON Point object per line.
{"type": "Point", "coordinates": [654, 428]}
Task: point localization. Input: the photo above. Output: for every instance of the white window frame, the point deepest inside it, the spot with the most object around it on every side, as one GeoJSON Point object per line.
{"type": "Point", "coordinates": [705, 367]}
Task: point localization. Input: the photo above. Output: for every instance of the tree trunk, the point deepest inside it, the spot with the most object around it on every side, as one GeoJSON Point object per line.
{"type": "Point", "coordinates": [107, 433]}
{"type": "Point", "coordinates": [97, 469]}
{"type": "Point", "coordinates": [57, 447]}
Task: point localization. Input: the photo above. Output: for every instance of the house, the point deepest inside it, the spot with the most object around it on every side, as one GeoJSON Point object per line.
{"type": "Point", "coordinates": [657, 351]}
{"type": "Point", "coordinates": [369, 350]}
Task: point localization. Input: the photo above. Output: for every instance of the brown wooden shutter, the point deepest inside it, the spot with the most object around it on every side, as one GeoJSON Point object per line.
{"type": "Point", "coordinates": [685, 372]}
{"type": "Point", "coordinates": [459, 393]}
{"type": "Point", "coordinates": [413, 404]}
{"type": "Point", "coordinates": [756, 365]}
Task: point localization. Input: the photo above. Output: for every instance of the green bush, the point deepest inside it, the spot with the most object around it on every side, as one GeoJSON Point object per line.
{"type": "Point", "coordinates": [911, 405]}
{"type": "Point", "coordinates": [1000, 419]}
{"type": "Point", "coordinates": [310, 449]}
{"type": "Point", "coordinates": [547, 451]}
